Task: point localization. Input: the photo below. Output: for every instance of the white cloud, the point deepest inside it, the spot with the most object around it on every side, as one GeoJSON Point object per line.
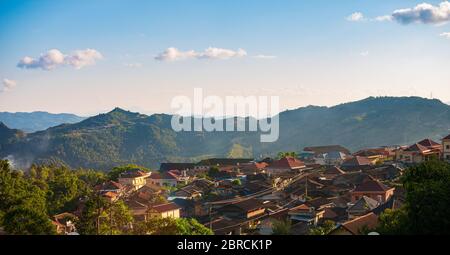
{"type": "Point", "coordinates": [356, 16]}
{"type": "Point", "coordinates": [174, 54]}
{"type": "Point", "coordinates": [133, 65]}
{"type": "Point", "coordinates": [55, 58]}
{"type": "Point", "coordinates": [445, 34]}
{"type": "Point", "coordinates": [261, 56]}
{"type": "Point", "coordinates": [364, 54]}
{"type": "Point", "coordinates": [384, 18]}
{"type": "Point", "coordinates": [423, 13]}
{"type": "Point", "coordinates": [8, 85]}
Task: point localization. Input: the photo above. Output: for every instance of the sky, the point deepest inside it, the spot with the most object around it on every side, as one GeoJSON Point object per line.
{"type": "Point", "coordinates": [90, 56]}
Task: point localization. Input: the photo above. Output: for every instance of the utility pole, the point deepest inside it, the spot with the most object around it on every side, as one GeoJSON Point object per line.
{"type": "Point", "coordinates": [306, 188]}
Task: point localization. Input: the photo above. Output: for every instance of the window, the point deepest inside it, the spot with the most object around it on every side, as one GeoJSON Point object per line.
{"type": "Point", "coordinates": [447, 147]}
{"type": "Point", "coordinates": [447, 157]}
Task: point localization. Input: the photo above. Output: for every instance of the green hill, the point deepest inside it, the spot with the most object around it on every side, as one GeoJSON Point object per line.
{"type": "Point", "coordinates": [123, 137]}
{"type": "Point", "coordinates": [36, 121]}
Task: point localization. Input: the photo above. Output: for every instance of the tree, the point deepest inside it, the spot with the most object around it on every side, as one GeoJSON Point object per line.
{"type": "Point", "coordinates": [287, 154]}
{"type": "Point", "coordinates": [104, 218]}
{"type": "Point", "coordinates": [427, 205]}
{"type": "Point", "coordinates": [281, 227]}
{"type": "Point", "coordinates": [26, 221]}
{"type": "Point", "coordinates": [393, 222]}
{"type": "Point", "coordinates": [116, 171]}
{"type": "Point", "coordinates": [213, 171]}
{"type": "Point", "coordinates": [237, 182]}
{"type": "Point", "coordinates": [171, 226]}
{"type": "Point", "coordinates": [326, 227]}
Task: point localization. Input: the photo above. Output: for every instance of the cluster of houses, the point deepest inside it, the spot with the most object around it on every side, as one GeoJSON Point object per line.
{"type": "Point", "coordinates": [247, 196]}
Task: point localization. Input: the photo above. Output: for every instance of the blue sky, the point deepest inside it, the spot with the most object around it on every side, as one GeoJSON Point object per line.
{"type": "Point", "coordinates": [307, 52]}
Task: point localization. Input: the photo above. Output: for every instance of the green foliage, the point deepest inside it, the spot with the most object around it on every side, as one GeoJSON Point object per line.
{"type": "Point", "coordinates": [287, 154]}
{"type": "Point", "coordinates": [213, 171]}
{"type": "Point", "coordinates": [237, 182]}
{"type": "Point", "coordinates": [27, 221]}
{"type": "Point", "coordinates": [116, 171]}
{"type": "Point", "coordinates": [171, 226]}
{"type": "Point", "coordinates": [324, 229]}
{"type": "Point", "coordinates": [281, 227]}
{"type": "Point", "coordinates": [22, 204]}
{"type": "Point", "coordinates": [104, 218]}
{"type": "Point", "coordinates": [427, 204]}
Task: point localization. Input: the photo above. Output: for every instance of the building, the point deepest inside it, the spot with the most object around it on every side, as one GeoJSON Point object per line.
{"type": "Point", "coordinates": [306, 213]}
{"type": "Point", "coordinates": [167, 210]}
{"type": "Point", "coordinates": [424, 150]}
{"type": "Point", "coordinates": [372, 188]}
{"type": "Point", "coordinates": [361, 207]}
{"type": "Point", "coordinates": [330, 158]}
{"type": "Point", "coordinates": [285, 164]}
{"type": "Point", "coordinates": [357, 226]}
{"type": "Point", "coordinates": [446, 148]}
{"type": "Point", "coordinates": [167, 179]}
{"type": "Point", "coordinates": [244, 210]}
{"type": "Point", "coordinates": [134, 178]}
{"type": "Point", "coordinates": [356, 163]}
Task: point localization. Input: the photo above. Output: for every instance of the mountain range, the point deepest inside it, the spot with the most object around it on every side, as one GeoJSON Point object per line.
{"type": "Point", "coordinates": [122, 137]}
{"type": "Point", "coordinates": [36, 121]}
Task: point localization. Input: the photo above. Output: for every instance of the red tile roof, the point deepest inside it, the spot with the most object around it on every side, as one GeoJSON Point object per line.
{"type": "Point", "coordinates": [357, 161]}
{"type": "Point", "coordinates": [371, 185]}
{"type": "Point", "coordinates": [446, 138]}
{"type": "Point", "coordinates": [287, 163]}
{"type": "Point", "coordinates": [354, 226]}
{"type": "Point", "coordinates": [417, 148]}
{"type": "Point", "coordinates": [165, 207]}
{"type": "Point", "coordinates": [429, 143]}
{"type": "Point", "coordinates": [334, 170]}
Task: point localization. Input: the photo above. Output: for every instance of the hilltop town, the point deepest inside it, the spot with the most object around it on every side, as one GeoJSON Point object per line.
{"type": "Point", "coordinates": [320, 190]}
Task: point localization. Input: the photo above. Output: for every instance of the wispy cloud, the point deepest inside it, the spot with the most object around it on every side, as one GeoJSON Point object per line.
{"type": "Point", "coordinates": [445, 34]}
{"type": "Point", "coordinates": [133, 65]}
{"type": "Point", "coordinates": [174, 54]}
{"type": "Point", "coordinates": [355, 17]}
{"type": "Point", "coordinates": [423, 13]}
{"type": "Point", "coordinates": [364, 53]}
{"type": "Point", "coordinates": [8, 85]}
{"type": "Point", "coordinates": [261, 56]}
{"type": "Point", "coordinates": [55, 58]}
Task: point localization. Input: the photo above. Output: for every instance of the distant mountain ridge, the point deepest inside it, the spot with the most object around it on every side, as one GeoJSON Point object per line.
{"type": "Point", "coordinates": [37, 121]}
{"type": "Point", "coordinates": [122, 137]}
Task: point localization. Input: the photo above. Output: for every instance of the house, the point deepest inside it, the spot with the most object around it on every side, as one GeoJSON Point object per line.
{"type": "Point", "coordinates": [330, 158]}
{"type": "Point", "coordinates": [246, 209]}
{"type": "Point", "coordinates": [374, 189]}
{"type": "Point", "coordinates": [111, 190]}
{"type": "Point", "coordinates": [331, 172]}
{"type": "Point", "coordinates": [167, 210]}
{"type": "Point", "coordinates": [446, 148]}
{"type": "Point", "coordinates": [375, 155]}
{"type": "Point", "coordinates": [134, 178]}
{"type": "Point", "coordinates": [424, 150]}
{"type": "Point", "coordinates": [357, 226]}
{"type": "Point", "coordinates": [336, 214]}
{"type": "Point", "coordinates": [168, 179]}
{"type": "Point", "coordinates": [252, 167]}
{"type": "Point", "coordinates": [356, 163]}
{"type": "Point", "coordinates": [361, 207]}
{"type": "Point", "coordinates": [387, 172]}
{"type": "Point", "coordinates": [326, 149]}
{"type": "Point", "coordinates": [266, 225]}
{"type": "Point", "coordinates": [306, 213]}
{"type": "Point", "coordinates": [285, 164]}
